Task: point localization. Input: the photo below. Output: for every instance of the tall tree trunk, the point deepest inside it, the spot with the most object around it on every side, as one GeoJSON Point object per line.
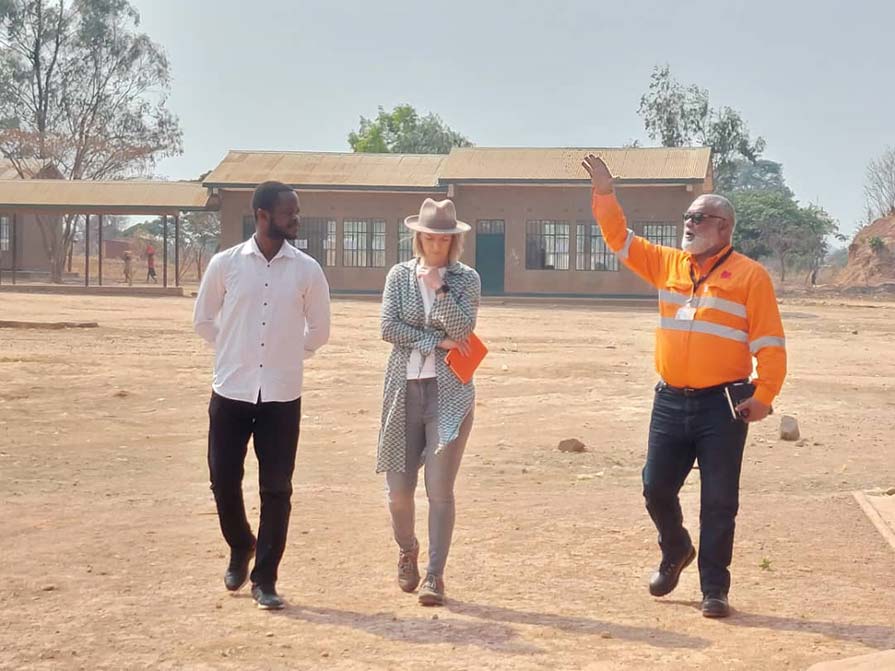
{"type": "Point", "coordinates": [51, 230]}
{"type": "Point", "coordinates": [57, 265]}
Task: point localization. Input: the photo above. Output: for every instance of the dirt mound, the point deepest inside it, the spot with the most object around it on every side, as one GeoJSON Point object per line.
{"type": "Point", "coordinates": [871, 256]}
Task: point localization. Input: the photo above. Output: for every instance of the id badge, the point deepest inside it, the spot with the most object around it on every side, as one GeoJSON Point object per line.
{"type": "Point", "coordinates": [686, 313]}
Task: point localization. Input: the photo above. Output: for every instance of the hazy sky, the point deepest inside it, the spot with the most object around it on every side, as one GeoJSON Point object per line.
{"type": "Point", "coordinates": [817, 81]}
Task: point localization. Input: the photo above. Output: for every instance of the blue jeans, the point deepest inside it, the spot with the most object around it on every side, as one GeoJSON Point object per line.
{"type": "Point", "coordinates": [684, 430]}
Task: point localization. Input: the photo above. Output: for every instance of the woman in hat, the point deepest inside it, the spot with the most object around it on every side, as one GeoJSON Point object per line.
{"type": "Point", "coordinates": [429, 307]}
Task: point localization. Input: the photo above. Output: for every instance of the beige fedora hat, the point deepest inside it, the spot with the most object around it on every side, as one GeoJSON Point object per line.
{"type": "Point", "coordinates": [437, 217]}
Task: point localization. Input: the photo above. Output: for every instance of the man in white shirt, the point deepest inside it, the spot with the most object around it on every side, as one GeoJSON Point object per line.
{"type": "Point", "coordinates": [264, 306]}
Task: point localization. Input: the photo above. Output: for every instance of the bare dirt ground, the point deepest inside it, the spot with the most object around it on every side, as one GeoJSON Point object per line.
{"type": "Point", "coordinates": [112, 557]}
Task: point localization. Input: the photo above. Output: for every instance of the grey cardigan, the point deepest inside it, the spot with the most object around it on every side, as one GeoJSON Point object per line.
{"type": "Point", "coordinates": [405, 326]}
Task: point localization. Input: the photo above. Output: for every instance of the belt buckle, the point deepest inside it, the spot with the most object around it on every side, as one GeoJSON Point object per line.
{"type": "Point", "coordinates": [690, 391]}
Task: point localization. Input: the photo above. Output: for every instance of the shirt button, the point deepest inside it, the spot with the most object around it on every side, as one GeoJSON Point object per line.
{"type": "Point", "coordinates": [263, 323]}
{"type": "Point", "coordinates": [262, 344]}
{"type": "Point", "coordinates": [265, 305]}
{"type": "Point", "coordinates": [265, 284]}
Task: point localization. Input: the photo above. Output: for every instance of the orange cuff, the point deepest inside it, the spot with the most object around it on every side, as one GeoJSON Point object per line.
{"type": "Point", "coordinates": [764, 394]}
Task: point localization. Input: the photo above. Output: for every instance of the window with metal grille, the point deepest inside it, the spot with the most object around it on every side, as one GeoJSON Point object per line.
{"type": "Point", "coordinates": [317, 238]}
{"type": "Point", "coordinates": [329, 244]}
{"type": "Point", "coordinates": [5, 234]}
{"type": "Point", "coordinates": [490, 227]}
{"type": "Point", "coordinates": [592, 252]}
{"type": "Point", "coordinates": [405, 243]}
{"type": "Point", "coordinates": [363, 243]}
{"type": "Point", "coordinates": [661, 234]}
{"type": "Point", "coordinates": [547, 245]}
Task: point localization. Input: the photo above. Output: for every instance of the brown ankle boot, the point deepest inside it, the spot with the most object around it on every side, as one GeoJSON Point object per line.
{"type": "Point", "coordinates": [408, 572]}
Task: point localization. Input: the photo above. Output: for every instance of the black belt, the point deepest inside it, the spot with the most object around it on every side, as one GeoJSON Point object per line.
{"type": "Point", "coordinates": [691, 391]}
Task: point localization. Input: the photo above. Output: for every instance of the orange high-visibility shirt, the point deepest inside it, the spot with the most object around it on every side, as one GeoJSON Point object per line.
{"type": "Point", "coordinates": [709, 338]}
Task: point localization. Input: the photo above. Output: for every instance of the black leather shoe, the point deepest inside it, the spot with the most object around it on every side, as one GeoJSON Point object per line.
{"type": "Point", "coordinates": [238, 569]}
{"type": "Point", "coordinates": [715, 605]}
{"type": "Point", "coordinates": [266, 597]}
{"type": "Point", "coordinates": [665, 579]}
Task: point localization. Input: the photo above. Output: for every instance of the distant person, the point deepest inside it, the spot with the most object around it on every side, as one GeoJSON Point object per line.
{"type": "Point", "coordinates": [264, 306]}
{"type": "Point", "coordinates": [718, 310]}
{"type": "Point", "coordinates": [128, 268]}
{"type": "Point", "coordinates": [150, 264]}
{"type": "Point", "coordinates": [429, 307]}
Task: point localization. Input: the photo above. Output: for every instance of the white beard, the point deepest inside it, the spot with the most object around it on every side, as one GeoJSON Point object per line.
{"type": "Point", "coordinates": [698, 245]}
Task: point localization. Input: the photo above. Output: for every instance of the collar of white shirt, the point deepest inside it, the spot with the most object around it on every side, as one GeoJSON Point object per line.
{"type": "Point", "coordinates": [286, 250]}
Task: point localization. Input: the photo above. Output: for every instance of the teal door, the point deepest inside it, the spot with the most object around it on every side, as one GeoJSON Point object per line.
{"type": "Point", "coordinates": [489, 254]}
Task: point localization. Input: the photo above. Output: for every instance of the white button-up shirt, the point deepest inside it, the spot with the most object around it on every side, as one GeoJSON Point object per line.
{"type": "Point", "coordinates": [263, 319]}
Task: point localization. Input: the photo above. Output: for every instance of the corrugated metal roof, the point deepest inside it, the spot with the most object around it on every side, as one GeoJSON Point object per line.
{"type": "Point", "coordinates": [334, 170]}
{"type": "Point", "coordinates": [650, 164]}
{"type": "Point", "coordinates": [115, 196]}
{"type": "Point", "coordinates": [247, 169]}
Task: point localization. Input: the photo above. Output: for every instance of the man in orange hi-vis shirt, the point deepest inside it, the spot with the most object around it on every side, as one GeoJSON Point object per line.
{"type": "Point", "coordinates": [717, 310]}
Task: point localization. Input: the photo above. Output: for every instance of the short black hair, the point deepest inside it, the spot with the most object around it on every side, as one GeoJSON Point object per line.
{"type": "Point", "coordinates": [265, 196]}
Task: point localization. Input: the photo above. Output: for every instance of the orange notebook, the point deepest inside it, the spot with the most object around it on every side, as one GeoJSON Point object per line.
{"type": "Point", "coordinates": [464, 366]}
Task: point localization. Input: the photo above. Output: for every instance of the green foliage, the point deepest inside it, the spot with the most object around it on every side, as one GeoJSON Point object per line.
{"type": "Point", "coordinates": [877, 244]}
{"type": "Point", "coordinates": [404, 131]}
{"type": "Point", "coordinates": [680, 116]}
{"type": "Point", "coordinates": [761, 175]}
{"type": "Point", "coordinates": [772, 223]}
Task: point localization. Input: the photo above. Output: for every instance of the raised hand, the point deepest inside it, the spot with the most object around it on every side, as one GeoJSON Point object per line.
{"type": "Point", "coordinates": [432, 278]}
{"type": "Point", "coordinates": [600, 177]}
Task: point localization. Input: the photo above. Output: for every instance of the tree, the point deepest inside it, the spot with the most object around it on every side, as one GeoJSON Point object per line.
{"type": "Point", "coordinates": [837, 258]}
{"type": "Point", "coordinates": [762, 175]}
{"type": "Point", "coordinates": [200, 232]}
{"type": "Point", "coordinates": [152, 228]}
{"type": "Point", "coordinates": [766, 223]}
{"type": "Point", "coordinates": [670, 112]}
{"type": "Point", "coordinates": [880, 186]}
{"type": "Point", "coordinates": [199, 237]}
{"type": "Point", "coordinates": [113, 224]}
{"type": "Point", "coordinates": [84, 93]}
{"type": "Point", "coordinates": [678, 116]}
{"type": "Point", "coordinates": [818, 228]}
{"type": "Point", "coordinates": [404, 131]}
{"type": "Point", "coordinates": [772, 223]}
{"type": "Point", "coordinates": [728, 136]}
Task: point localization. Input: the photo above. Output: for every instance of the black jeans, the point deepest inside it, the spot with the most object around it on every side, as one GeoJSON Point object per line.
{"type": "Point", "coordinates": [274, 427]}
{"type": "Point", "coordinates": [684, 429]}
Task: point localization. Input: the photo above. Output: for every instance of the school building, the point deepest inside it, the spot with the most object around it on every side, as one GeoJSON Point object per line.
{"type": "Point", "coordinates": [532, 229]}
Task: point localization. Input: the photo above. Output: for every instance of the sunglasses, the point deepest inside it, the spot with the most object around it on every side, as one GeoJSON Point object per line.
{"type": "Point", "coordinates": [698, 217]}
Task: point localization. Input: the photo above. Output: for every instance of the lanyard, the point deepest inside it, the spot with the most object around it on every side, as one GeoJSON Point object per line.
{"type": "Point", "coordinates": [699, 282]}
